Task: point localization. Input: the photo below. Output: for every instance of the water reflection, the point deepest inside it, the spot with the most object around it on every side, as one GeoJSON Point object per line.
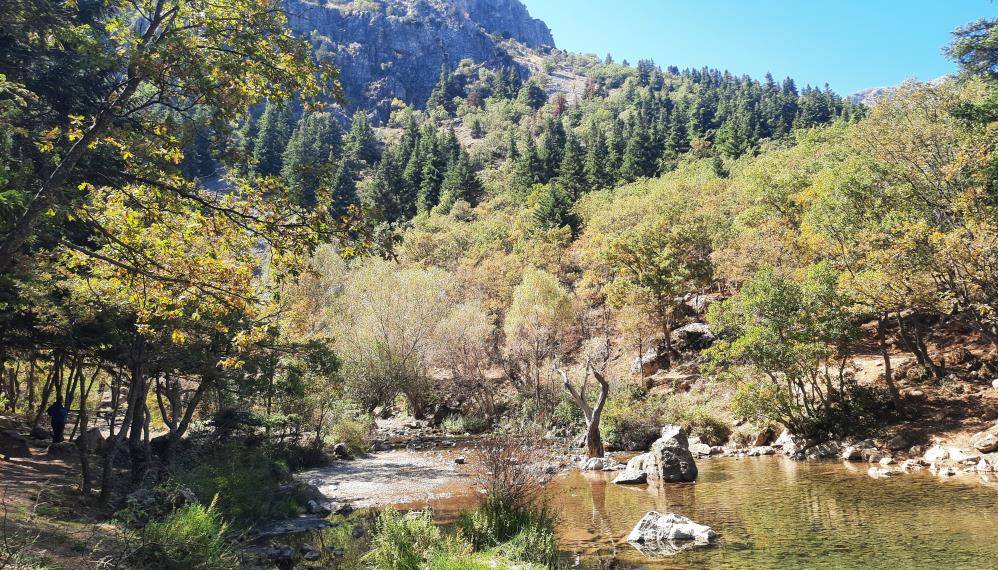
{"type": "Point", "coordinates": [772, 512]}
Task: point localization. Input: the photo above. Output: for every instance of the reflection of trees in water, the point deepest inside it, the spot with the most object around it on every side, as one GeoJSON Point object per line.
{"type": "Point", "coordinates": [771, 512]}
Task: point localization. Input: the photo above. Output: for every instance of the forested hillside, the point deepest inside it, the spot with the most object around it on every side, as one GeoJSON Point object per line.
{"type": "Point", "coordinates": [237, 234]}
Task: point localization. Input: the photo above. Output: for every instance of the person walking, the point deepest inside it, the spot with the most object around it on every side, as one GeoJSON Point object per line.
{"type": "Point", "coordinates": [59, 415]}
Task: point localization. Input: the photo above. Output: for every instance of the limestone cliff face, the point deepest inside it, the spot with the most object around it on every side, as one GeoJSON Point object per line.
{"type": "Point", "coordinates": [389, 49]}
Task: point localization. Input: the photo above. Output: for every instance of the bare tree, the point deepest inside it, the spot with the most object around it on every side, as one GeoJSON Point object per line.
{"type": "Point", "coordinates": [597, 359]}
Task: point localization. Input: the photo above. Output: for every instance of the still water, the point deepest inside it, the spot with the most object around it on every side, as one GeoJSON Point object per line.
{"type": "Point", "coordinates": [771, 512]}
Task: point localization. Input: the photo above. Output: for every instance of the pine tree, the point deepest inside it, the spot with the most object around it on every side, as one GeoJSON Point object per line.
{"type": "Point", "coordinates": [638, 160]}
{"type": "Point", "coordinates": [387, 192]}
{"type": "Point", "coordinates": [552, 145]}
{"type": "Point", "coordinates": [595, 168]}
{"type": "Point", "coordinates": [309, 155]}
{"type": "Point", "coordinates": [532, 95]}
{"type": "Point", "coordinates": [440, 95]}
{"type": "Point", "coordinates": [361, 145]}
{"type": "Point", "coordinates": [273, 132]}
{"type": "Point", "coordinates": [342, 190]}
{"type": "Point", "coordinates": [553, 208]}
{"type": "Point", "coordinates": [571, 173]}
{"type": "Point", "coordinates": [198, 161]}
{"type": "Point", "coordinates": [527, 166]}
{"type": "Point", "coordinates": [460, 183]}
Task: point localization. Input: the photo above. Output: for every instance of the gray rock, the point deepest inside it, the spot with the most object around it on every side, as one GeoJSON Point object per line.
{"type": "Point", "coordinates": [341, 451]}
{"type": "Point", "coordinates": [898, 443]}
{"type": "Point", "coordinates": [700, 450]}
{"type": "Point", "coordinates": [823, 450]}
{"type": "Point", "coordinates": [658, 532]}
{"type": "Point", "coordinates": [693, 336]}
{"type": "Point", "coordinates": [634, 473]}
{"type": "Point", "coordinates": [670, 459]}
{"type": "Point", "coordinates": [63, 450]}
{"type": "Point", "coordinates": [851, 453]}
{"type": "Point", "coordinates": [93, 439]}
{"type": "Point", "coordinates": [292, 526]}
{"type": "Point", "coordinates": [599, 464]}
{"type": "Point", "coordinates": [760, 450]}
{"type": "Point", "coordinates": [13, 444]}
{"type": "Point", "coordinates": [395, 48]}
{"type": "Point", "coordinates": [39, 432]}
{"type": "Point", "coordinates": [986, 441]}
{"type": "Point", "coordinates": [936, 453]}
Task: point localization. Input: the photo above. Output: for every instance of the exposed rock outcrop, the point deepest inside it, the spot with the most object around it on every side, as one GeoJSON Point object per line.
{"type": "Point", "coordinates": [388, 49]}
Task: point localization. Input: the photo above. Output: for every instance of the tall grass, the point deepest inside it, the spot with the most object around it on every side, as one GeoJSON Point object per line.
{"type": "Point", "coordinates": [190, 537]}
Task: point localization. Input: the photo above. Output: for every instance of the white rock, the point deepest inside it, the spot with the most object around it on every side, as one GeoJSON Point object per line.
{"type": "Point", "coordinates": [960, 456]}
{"type": "Point", "coordinates": [655, 527]}
{"type": "Point", "coordinates": [700, 450]}
{"type": "Point", "coordinates": [936, 453]}
{"type": "Point", "coordinates": [887, 461]}
{"type": "Point", "coordinates": [984, 467]}
{"type": "Point", "coordinates": [761, 450]}
{"type": "Point", "coordinates": [851, 453]}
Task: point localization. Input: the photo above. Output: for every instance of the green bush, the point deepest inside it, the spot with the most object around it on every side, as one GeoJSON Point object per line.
{"type": "Point", "coordinates": [355, 431]}
{"type": "Point", "coordinates": [190, 537]}
{"type": "Point", "coordinates": [632, 424]}
{"type": "Point", "coordinates": [524, 533]}
{"type": "Point", "coordinates": [454, 424]}
{"type": "Point", "coordinates": [457, 424]}
{"type": "Point", "coordinates": [403, 541]}
{"type": "Point", "coordinates": [246, 482]}
{"type": "Point", "coordinates": [703, 422]}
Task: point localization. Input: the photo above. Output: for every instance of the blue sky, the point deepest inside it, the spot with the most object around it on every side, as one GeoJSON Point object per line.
{"type": "Point", "coordinates": [850, 44]}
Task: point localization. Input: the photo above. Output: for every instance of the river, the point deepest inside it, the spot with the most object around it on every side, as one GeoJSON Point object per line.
{"type": "Point", "coordinates": [773, 512]}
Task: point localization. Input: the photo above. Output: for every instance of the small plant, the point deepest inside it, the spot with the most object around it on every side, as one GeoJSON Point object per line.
{"type": "Point", "coordinates": [403, 541]}
{"type": "Point", "coordinates": [454, 424]}
{"type": "Point", "coordinates": [355, 432]}
{"type": "Point", "coordinates": [190, 537]}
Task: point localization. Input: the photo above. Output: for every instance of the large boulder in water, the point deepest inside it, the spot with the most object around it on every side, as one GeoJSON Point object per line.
{"type": "Point", "coordinates": [669, 460]}
{"type": "Point", "coordinates": [668, 533]}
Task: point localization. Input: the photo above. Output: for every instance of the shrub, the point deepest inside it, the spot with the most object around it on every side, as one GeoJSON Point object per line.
{"type": "Point", "coordinates": [190, 537]}
{"type": "Point", "coordinates": [632, 423]}
{"type": "Point", "coordinates": [245, 482]}
{"type": "Point", "coordinates": [457, 424]}
{"type": "Point", "coordinates": [699, 420]}
{"type": "Point", "coordinates": [518, 532]}
{"type": "Point", "coordinates": [403, 541]}
{"type": "Point", "coordinates": [453, 424]}
{"type": "Point", "coordinates": [356, 431]}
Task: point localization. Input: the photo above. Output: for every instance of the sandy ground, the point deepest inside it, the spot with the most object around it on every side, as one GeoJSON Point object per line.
{"type": "Point", "coordinates": [392, 477]}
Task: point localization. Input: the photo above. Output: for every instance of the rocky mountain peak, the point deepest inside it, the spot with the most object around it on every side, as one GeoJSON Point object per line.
{"type": "Point", "coordinates": [394, 49]}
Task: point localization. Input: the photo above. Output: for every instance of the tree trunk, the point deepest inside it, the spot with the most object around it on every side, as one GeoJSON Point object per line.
{"type": "Point", "coordinates": [83, 442]}
{"type": "Point", "coordinates": [594, 441]}
{"type": "Point", "coordinates": [888, 371]}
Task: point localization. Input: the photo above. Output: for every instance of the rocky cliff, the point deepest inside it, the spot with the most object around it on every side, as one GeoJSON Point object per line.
{"type": "Point", "coordinates": [394, 48]}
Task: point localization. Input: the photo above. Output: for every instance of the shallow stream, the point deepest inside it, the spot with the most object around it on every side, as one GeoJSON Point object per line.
{"type": "Point", "coordinates": [771, 512]}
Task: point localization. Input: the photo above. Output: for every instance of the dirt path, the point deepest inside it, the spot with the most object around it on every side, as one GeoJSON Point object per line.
{"type": "Point", "coordinates": [393, 477]}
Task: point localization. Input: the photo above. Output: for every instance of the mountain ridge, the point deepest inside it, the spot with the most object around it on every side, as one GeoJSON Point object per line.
{"type": "Point", "coordinates": [395, 49]}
